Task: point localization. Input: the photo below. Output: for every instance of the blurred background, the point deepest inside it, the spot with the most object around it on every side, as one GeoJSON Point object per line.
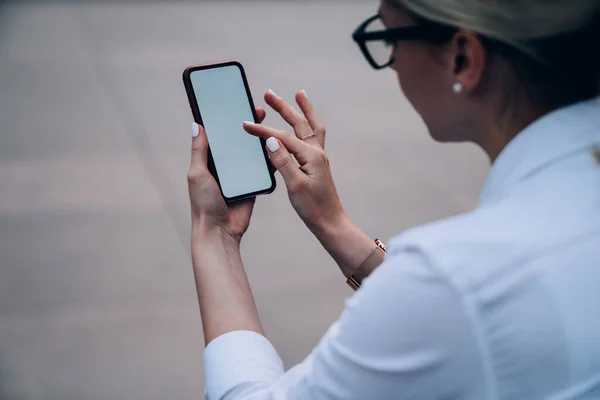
{"type": "Point", "coordinates": [97, 299]}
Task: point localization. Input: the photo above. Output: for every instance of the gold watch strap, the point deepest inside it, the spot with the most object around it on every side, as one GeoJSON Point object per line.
{"type": "Point", "coordinates": [374, 260]}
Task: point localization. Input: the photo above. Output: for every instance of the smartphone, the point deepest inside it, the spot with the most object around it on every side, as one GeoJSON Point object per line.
{"type": "Point", "coordinates": [221, 101]}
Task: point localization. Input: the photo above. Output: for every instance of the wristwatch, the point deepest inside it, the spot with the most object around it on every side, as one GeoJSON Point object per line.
{"type": "Point", "coordinates": [374, 260]}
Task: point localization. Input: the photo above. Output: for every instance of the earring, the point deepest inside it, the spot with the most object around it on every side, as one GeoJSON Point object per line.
{"type": "Point", "coordinates": [457, 88]}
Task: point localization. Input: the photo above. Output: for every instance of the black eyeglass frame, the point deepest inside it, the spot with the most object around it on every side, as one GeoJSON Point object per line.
{"type": "Point", "coordinates": [413, 32]}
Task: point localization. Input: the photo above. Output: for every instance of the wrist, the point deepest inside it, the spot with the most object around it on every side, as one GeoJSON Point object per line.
{"type": "Point", "coordinates": [204, 233]}
{"type": "Point", "coordinates": [346, 243]}
{"type": "Point", "coordinates": [212, 249]}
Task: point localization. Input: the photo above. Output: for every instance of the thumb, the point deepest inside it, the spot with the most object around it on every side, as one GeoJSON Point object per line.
{"type": "Point", "coordinates": [199, 146]}
{"type": "Point", "coordinates": [283, 161]}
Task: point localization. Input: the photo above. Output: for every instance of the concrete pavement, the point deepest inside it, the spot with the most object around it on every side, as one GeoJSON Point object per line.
{"type": "Point", "coordinates": [96, 293]}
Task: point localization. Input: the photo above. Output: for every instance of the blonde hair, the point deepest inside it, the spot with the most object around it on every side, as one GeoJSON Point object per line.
{"type": "Point", "coordinates": [514, 22]}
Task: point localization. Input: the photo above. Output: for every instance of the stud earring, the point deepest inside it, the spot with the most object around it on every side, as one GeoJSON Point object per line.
{"type": "Point", "coordinates": [457, 88]}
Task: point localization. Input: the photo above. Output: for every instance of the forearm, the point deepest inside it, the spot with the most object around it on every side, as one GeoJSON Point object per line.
{"type": "Point", "coordinates": [224, 294]}
{"type": "Point", "coordinates": [346, 243]}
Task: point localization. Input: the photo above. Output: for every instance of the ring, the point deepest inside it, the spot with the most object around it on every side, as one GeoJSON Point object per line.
{"type": "Point", "coordinates": [308, 136]}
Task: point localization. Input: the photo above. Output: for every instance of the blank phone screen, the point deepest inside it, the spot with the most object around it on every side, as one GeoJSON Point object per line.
{"type": "Point", "coordinates": [238, 157]}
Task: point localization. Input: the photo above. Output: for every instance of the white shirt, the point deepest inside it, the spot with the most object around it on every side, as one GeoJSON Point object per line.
{"type": "Point", "coordinates": [500, 303]}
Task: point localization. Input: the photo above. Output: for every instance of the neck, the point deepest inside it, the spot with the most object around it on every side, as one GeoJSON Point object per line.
{"type": "Point", "coordinates": [502, 129]}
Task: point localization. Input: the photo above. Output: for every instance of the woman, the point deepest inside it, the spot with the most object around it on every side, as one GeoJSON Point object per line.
{"type": "Point", "coordinates": [500, 303]}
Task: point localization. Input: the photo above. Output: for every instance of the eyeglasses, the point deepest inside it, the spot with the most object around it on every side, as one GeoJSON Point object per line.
{"type": "Point", "coordinates": [377, 42]}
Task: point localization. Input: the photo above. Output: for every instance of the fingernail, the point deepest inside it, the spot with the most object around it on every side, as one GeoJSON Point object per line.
{"type": "Point", "coordinates": [249, 123]}
{"type": "Point", "coordinates": [195, 130]}
{"type": "Point", "coordinates": [272, 92]}
{"type": "Point", "coordinates": [272, 144]}
{"type": "Point", "coordinates": [304, 93]}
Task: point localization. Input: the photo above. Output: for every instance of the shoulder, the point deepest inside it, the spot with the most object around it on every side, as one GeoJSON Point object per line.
{"type": "Point", "coordinates": [470, 248]}
{"type": "Point", "coordinates": [502, 236]}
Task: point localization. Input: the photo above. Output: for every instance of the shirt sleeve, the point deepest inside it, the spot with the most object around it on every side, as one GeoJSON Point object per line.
{"type": "Point", "coordinates": [404, 335]}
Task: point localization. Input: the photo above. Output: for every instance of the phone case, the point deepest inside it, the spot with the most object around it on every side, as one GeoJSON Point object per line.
{"type": "Point", "coordinates": [198, 119]}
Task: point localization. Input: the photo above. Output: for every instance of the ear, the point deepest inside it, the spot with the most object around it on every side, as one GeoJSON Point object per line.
{"type": "Point", "coordinates": [469, 59]}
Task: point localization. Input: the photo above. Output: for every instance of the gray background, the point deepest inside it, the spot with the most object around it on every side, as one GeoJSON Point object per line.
{"type": "Point", "coordinates": [96, 293]}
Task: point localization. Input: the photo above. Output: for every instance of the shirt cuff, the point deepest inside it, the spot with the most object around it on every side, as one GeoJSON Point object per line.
{"type": "Point", "coordinates": [240, 359]}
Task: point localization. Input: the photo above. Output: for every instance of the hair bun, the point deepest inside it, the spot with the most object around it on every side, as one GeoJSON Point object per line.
{"type": "Point", "coordinates": [593, 39]}
{"type": "Point", "coordinates": [574, 52]}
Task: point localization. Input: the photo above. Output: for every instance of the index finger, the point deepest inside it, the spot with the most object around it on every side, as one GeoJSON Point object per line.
{"type": "Point", "coordinates": [297, 147]}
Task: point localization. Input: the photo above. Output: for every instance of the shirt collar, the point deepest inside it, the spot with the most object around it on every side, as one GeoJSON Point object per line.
{"type": "Point", "coordinates": [549, 138]}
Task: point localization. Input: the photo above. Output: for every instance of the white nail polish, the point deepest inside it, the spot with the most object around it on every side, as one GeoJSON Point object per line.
{"type": "Point", "coordinates": [195, 130]}
{"type": "Point", "coordinates": [249, 123]}
{"type": "Point", "coordinates": [304, 93]}
{"type": "Point", "coordinates": [272, 144]}
{"type": "Point", "coordinates": [272, 92]}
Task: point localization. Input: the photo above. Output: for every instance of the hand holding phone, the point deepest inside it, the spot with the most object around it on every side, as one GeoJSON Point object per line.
{"type": "Point", "coordinates": [212, 217]}
{"type": "Point", "coordinates": [220, 100]}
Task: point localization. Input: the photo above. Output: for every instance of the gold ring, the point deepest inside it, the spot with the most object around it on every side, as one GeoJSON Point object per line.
{"type": "Point", "coordinates": [308, 136]}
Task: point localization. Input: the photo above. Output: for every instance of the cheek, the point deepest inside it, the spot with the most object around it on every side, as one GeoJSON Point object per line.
{"type": "Point", "coordinates": [413, 75]}
{"type": "Point", "coordinates": [420, 80]}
